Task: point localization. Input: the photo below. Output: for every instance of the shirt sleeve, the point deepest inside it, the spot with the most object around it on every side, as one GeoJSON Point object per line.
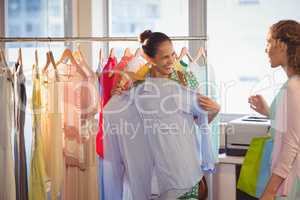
{"type": "Point", "coordinates": [203, 134]}
{"type": "Point", "coordinates": [290, 145]}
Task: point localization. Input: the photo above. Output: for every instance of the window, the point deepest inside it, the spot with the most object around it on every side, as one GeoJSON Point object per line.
{"type": "Point", "coordinates": [156, 15]}
{"type": "Point", "coordinates": [33, 6]}
{"type": "Point", "coordinates": [33, 20]}
{"type": "Point", "coordinates": [14, 7]}
{"type": "Point", "coordinates": [237, 36]}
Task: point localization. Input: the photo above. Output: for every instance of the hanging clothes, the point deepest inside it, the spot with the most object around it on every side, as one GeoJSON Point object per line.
{"type": "Point", "coordinates": [172, 135]}
{"type": "Point", "coordinates": [52, 130]}
{"type": "Point", "coordinates": [100, 109]}
{"type": "Point", "coordinates": [19, 147]}
{"type": "Point", "coordinates": [38, 178]}
{"type": "Point", "coordinates": [119, 69]}
{"type": "Point", "coordinates": [127, 152]}
{"type": "Point", "coordinates": [135, 64]}
{"type": "Point", "coordinates": [7, 174]}
{"type": "Point", "coordinates": [106, 83]}
{"type": "Point", "coordinates": [107, 79]}
{"type": "Point", "coordinates": [183, 76]}
{"type": "Point", "coordinates": [80, 95]}
{"type": "Point", "coordinates": [197, 76]}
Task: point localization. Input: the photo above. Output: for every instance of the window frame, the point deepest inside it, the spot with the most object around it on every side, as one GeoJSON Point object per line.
{"type": "Point", "coordinates": [2, 22]}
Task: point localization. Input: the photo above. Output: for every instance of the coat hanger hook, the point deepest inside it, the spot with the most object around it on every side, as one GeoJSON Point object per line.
{"type": "Point", "coordinates": [49, 43]}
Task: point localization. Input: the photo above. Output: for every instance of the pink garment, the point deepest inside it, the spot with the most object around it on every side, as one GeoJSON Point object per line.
{"type": "Point", "coordinates": [80, 104]}
{"type": "Point", "coordinates": [286, 150]}
{"type": "Point", "coordinates": [89, 95]}
{"type": "Point", "coordinates": [80, 97]}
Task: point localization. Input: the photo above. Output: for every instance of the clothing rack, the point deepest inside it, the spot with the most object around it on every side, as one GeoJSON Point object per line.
{"type": "Point", "coordinates": [90, 39]}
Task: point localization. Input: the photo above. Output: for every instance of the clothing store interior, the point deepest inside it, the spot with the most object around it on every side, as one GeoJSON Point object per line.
{"type": "Point", "coordinates": [78, 85]}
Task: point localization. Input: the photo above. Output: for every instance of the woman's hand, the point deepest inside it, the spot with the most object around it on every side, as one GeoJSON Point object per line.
{"type": "Point", "coordinates": [267, 196]}
{"type": "Point", "coordinates": [272, 187]}
{"type": "Point", "coordinates": [122, 83]}
{"type": "Point", "coordinates": [116, 91]}
{"type": "Point", "coordinates": [258, 103]}
{"type": "Point", "coordinates": [209, 105]}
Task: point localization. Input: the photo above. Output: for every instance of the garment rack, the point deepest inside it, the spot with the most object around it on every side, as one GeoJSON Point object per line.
{"type": "Point", "coordinates": [90, 39]}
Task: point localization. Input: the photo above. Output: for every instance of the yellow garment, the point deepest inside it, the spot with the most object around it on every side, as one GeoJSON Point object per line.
{"type": "Point", "coordinates": [52, 136]}
{"type": "Point", "coordinates": [38, 178]}
{"type": "Point", "coordinates": [143, 71]}
{"type": "Point", "coordinates": [177, 66]}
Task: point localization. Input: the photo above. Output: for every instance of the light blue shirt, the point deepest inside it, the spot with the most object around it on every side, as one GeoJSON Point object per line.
{"type": "Point", "coordinates": [168, 111]}
{"type": "Point", "coordinates": [153, 127]}
{"type": "Point", "coordinates": [127, 164]}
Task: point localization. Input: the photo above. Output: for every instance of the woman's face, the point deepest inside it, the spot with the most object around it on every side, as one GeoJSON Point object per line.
{"type": "Point", "coordinates": [276, 51]}
{"type": "Point", "coordinates": [164, 59]}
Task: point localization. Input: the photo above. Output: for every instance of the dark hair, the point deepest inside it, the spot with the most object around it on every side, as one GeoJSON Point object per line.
{"type": "Point", "coordinates": [151, 41]}
{"type": "Point", "coordinates": [288, 31]}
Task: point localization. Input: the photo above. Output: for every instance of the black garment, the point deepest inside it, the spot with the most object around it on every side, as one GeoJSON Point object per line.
{"type": "Point", "coordinates": [19, 148]}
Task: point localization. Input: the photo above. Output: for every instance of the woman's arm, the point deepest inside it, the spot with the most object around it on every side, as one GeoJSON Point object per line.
{"type": "Point", "coordinates": [209, 105]}
{"type": "Point", "coordinates": [290, 129]}
{"type": "Point", "coordinates": [259, 104]}
{"type": "Point", "coordinates": [272, 187]}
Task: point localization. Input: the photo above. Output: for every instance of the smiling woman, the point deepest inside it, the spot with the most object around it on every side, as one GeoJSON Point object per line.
{"type": "Point", "coordinates": [159, 51]}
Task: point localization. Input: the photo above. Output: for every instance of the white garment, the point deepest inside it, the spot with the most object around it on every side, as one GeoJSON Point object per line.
{"type": "Point", "coordinates": [168, 111]}
{"type": "Point", "coordinates": [135, 64]}
{"type": "Point", "coordinates": [7, 183]}
{"type": "Point", "coordinates": [127, 158]}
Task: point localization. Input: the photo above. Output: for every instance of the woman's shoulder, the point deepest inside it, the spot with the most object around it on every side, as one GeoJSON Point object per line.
{"type": "Point", "coordinates": [293, 83]}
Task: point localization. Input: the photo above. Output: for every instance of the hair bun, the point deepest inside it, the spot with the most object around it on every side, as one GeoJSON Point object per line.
{"type": "Point", "coordinates": [145, 35]}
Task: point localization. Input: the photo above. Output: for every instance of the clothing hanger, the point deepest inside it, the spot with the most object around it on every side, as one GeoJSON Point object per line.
{"type": "Point", "coordinates": [78, 55]}
{"type": "Point", "coordinates": [49, 60]}
{"type": "Point", "coordinates": [100, 62]}
{"type": "Point", "coordinates": [2, 70]}
{"type": "Point", "coordinates": [19, 62]}
{"type": "Point", "coordinates": [3, 58]}
{"type": "Point", "coordinates": [185, 52]}
{"type": "Point", "coordinates": [1, 55]}
{"type": "Point", "coordinates": [138, 52]}
{"type": "Point", "coordinates": [36, 57]}
{"type": "Point", "coordinates": [112, 53]}
{"type": "Point", "coordinates": [127, 53]}
{"type": "Point", "coordinates": [101, 56]}
{"type": "Point", "coordinates": [80, 58]}
{"type": "Point", "coordinates": [36, 64]}
{"type": "Point", "coordinates": [5, 67]}
{"type": "Point", "coordinates": [200, 54]}
{"type": "Point", "coordinates": [67, 55]}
